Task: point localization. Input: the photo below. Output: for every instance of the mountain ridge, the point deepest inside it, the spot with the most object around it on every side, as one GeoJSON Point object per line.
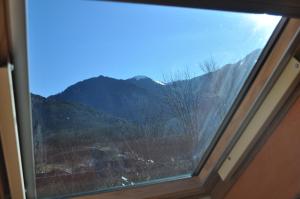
{"type": "Point", "coordinates": [101, 99]}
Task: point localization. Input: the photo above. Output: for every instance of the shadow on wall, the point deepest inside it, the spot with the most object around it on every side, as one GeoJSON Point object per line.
{"type": "Point", "coordinates": [3, 178]}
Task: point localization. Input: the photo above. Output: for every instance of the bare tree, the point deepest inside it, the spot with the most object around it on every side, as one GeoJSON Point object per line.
{"type": "Point", "coordinates": [187, 103]}
{"type": "Point", "coordinates": [208, 66]}
{"type": "Point", "coordinates": [221, 89]}
{"type": "Point", "coordinates": [149, 136]}
{"type": "Point", "coordinates": [184, 104]}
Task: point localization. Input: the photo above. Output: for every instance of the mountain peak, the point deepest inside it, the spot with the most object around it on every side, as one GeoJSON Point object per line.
{"type": "Point", "coordinates": [140, 77]}
{"type": "Point", "coordinates": [143, 77]}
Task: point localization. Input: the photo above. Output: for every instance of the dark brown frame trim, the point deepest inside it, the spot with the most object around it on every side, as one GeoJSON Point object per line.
{"type": "Point", "coordinates": [4, 34]}
{"type": "Point", "coordinates": [4, 191]}
{"type": "Point", "coordinates": [288, 8]}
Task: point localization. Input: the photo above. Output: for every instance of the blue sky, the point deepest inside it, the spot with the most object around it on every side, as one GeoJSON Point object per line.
{"type": "Point", "coordinates": [72, 40]}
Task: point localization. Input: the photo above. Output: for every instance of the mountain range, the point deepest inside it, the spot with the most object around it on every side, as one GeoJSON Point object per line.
{"type": "Point", "coordinates": [108, 103]}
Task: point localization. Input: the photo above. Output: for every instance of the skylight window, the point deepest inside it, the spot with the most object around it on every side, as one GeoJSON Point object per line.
{"type": "Point", "coordinates": [124, 95]}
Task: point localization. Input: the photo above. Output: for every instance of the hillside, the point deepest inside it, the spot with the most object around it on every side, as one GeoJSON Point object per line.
{"type": "Point", "coordinates": [106, 128]}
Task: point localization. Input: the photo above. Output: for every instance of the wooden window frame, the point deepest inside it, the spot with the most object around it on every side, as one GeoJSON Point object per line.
{"type": "Point", "coordinates": [9, 134]}
{"type": "Point", "coordinates": [203, 182]}
{"type": "Point", "coordinates": [287, 8]}
{"type": "Point", "coordinates": [221, 188]}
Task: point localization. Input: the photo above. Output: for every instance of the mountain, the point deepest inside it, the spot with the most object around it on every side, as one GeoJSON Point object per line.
{"type": "Point", "coordinates": [119, 98]}
{"type": "Point", "coordinates": [106, 103]}
{"type": "Point", "coordinates": [106, 128]}
{"type": "Point", "coordinates": [147, 83]}
{"type": "Point", "coordinates": [53, 116]}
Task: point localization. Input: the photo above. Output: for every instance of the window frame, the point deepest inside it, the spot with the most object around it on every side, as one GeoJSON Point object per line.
{"type": "Point", "coordinates": [208, 178]}
{"type": "Point", "coordinates": [287, 8]}
{"type": "Point", "coordinates": [201, 183]}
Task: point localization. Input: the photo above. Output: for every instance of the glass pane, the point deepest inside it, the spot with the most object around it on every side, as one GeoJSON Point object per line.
{"type": "Point", "coordinates": [125, 94]}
